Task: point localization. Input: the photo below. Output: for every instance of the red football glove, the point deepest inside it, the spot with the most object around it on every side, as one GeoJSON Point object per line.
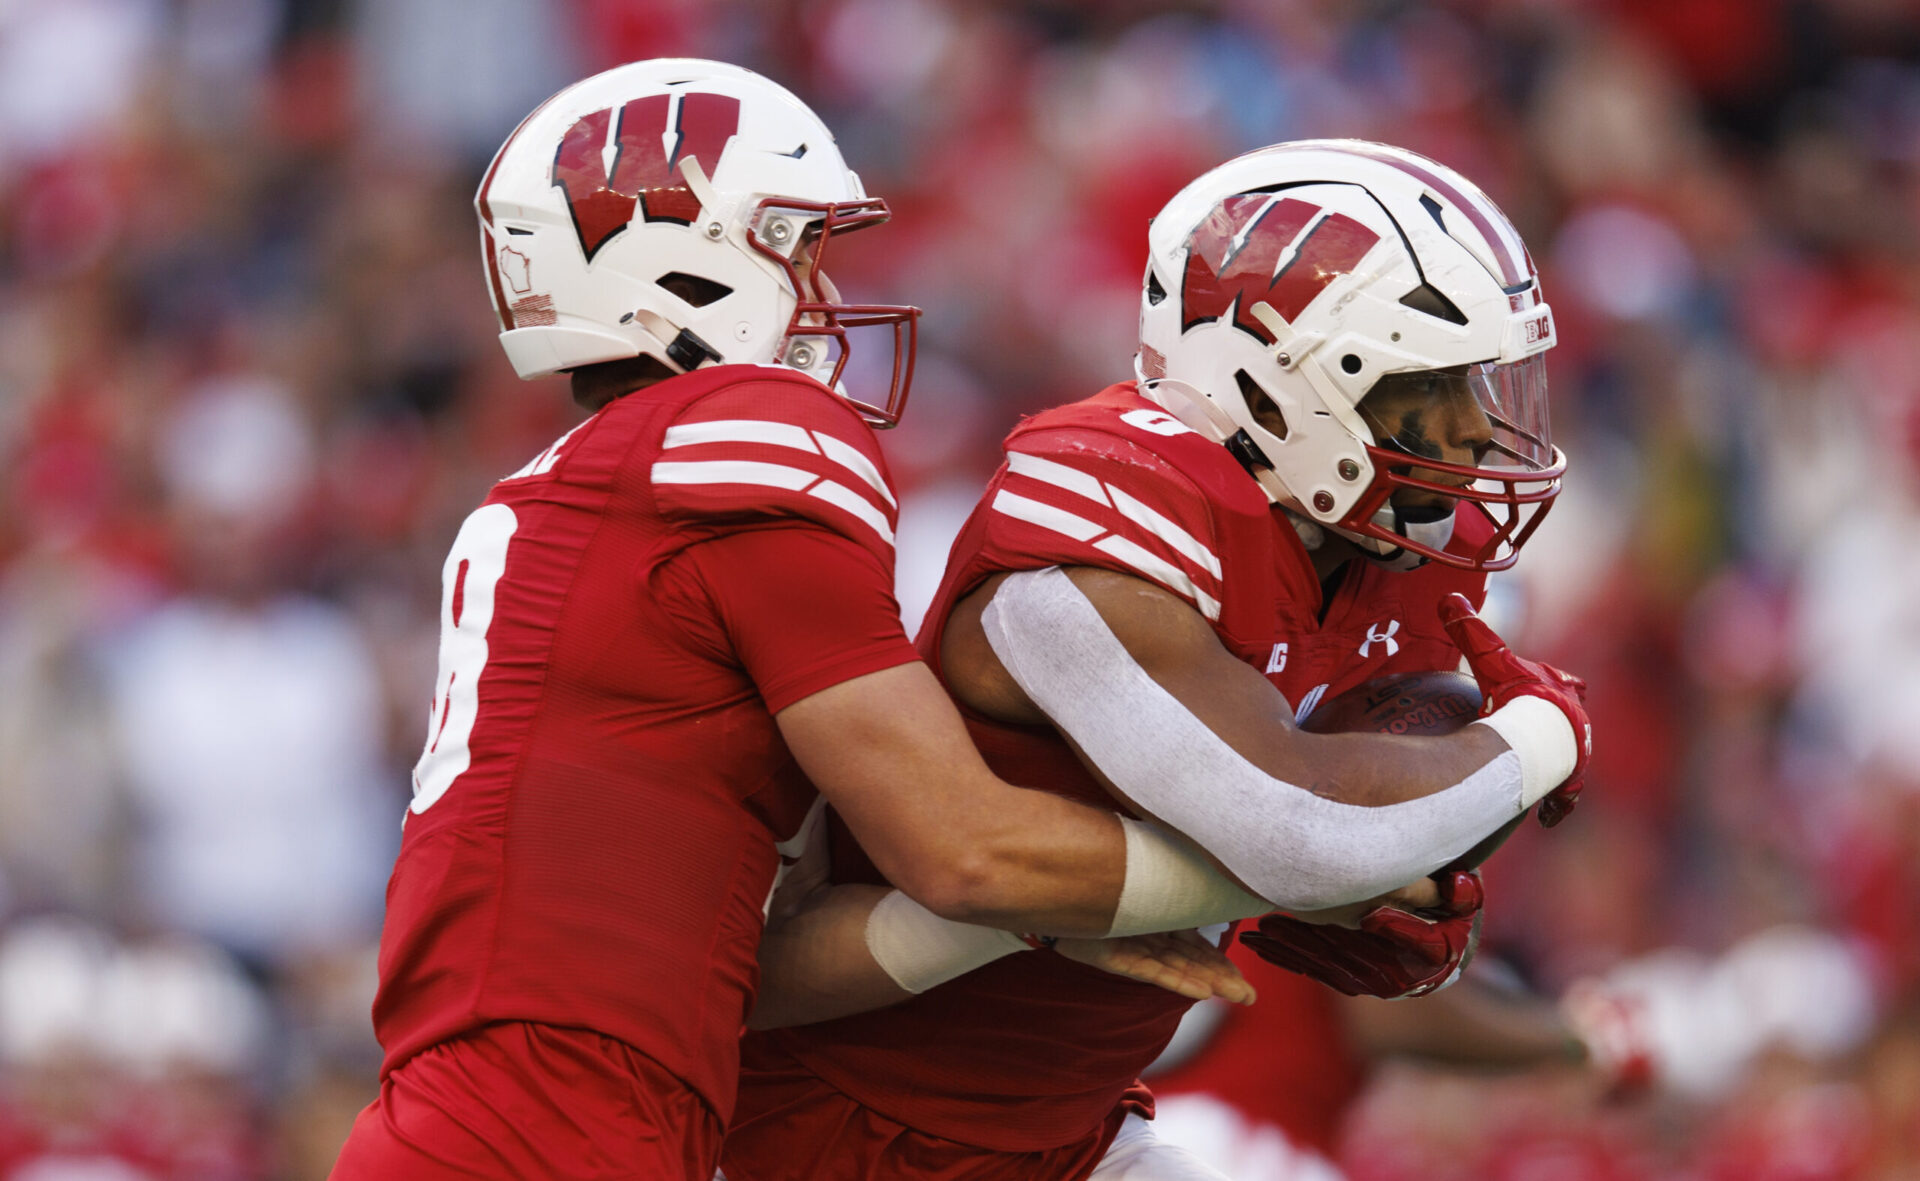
{"type": "Point", "coordinates": [1504, 676]}
{"type": "Point", "coordinates": [1394, 953]}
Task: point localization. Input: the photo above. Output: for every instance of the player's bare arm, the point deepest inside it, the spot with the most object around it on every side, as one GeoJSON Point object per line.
{"type": "Point", "coordinates": [890, 752]}
{"type": "Point", "coordinates": [1477, 1026]}
{"type": "Point", "coordinates": [816, 964]}
{"type": "Point", "coordinates": [1309, 821]}
{"type": "Point", "coordinates": [975, 859]}
{"type": "Point", "coordinates": [1175, 646]}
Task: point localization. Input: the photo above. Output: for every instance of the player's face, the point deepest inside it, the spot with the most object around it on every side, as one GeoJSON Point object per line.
{"type": "Point", "coordinates": [1432, 414]}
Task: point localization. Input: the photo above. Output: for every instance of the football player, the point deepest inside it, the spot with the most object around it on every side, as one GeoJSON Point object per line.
{"type": "Point", "coordinates": [1339, 427]}
{"type": "Point", "coordinates": [651, 630]}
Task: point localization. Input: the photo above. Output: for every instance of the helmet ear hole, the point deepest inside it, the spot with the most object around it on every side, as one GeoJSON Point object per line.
{"type": "Point", "coordinates": [1261, 405]}
{"type": "Point", "coordinates": [692, 289]}
{"type": "Point", "coordinates": [1351, 363]}
{"type": "Point", "coordinates": [1155, 292]}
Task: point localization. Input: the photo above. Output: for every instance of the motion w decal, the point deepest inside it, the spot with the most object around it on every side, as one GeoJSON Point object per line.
{"type": "Point", "coordinates": [645, 168]}
{"type": "Point", "coordinates": [1235, 259]}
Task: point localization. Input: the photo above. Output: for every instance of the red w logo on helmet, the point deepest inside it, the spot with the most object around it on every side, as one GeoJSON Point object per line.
{"type": "Point", "coordinates": [1233, 261]}
{"type": "Point", "coordinates": [645, 170]}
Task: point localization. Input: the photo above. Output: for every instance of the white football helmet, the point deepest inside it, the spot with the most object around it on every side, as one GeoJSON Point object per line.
{"type": "Point", "coordinates": [1306, 271]}
{"type": "Point", "coordinates": [671, 208]}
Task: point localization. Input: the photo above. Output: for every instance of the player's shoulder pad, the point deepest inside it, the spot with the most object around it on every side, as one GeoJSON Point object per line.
{"type": "Point", "coordinates": [1081, 489]}
{"type": "Point", "coordinates": [1140, 440]}
{"type": "Point", "coordinates": [773, 445]}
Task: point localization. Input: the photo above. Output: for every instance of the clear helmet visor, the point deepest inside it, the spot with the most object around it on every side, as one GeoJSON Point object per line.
{"type": "Point", "coordinates": [1464, 465]}
{"type": "Point", "coordinates": [1514, 399]}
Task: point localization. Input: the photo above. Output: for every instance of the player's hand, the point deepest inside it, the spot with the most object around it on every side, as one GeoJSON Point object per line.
{"type": "Point", "coordinates": [805, 865]}
{"type": "Point", "coordinates": [1393, 953]}
{"type": "Point", "coordinates": [1178, 961]}
{"type": "Point", "coordinates": [1503, 676]}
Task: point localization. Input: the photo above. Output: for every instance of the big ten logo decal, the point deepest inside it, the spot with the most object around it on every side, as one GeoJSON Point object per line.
{"type": "Point", "coordinates": [1262, 248]}
{"type": "Point", "coordinates": [645, 167]}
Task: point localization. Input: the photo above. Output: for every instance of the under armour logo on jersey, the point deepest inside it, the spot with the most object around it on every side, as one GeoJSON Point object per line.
{"type": "Point", "coordinates": [1277, 662]}
{"type": "Point", "coordinates": [1376, 636]}
{"type": "Point", "coordinates": [1262, 248]}
{"type": "Point", "coordinates": [644, 172]}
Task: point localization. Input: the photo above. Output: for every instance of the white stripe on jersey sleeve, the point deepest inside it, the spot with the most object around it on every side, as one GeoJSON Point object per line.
{"type": "Point", "coordinates": [1165, 529]}
{"type": "Point", "coordinates": [1084, 484]}
{"type": "Point", "coordinates": [843, 497]}
{"type": "Point", "coordinates": [774, 475]}
{"type": "Point", "coordinates": [1046, 516]}
{"type": "Point", "coordinates": [1057, 474]}
{"type": "Point", "coordinates": [780, 434]}
{"type": "Point", "coordinates": [1080, 529]}
{"type": "Point", "coordinates": [739, 430]}
{"type": "Point", "coordinates": [1160, 571]}
{"type": "Point", "coordinates": [855, 461]}
{"type": "Point", "coordinates": [733, 471]}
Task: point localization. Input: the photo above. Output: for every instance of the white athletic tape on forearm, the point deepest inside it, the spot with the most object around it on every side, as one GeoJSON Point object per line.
{"type": "Point", "coordinates": [919, 949]}
{"type": "Point", "coordinates": [1172, 886]}
{"type": "Point", "coordinates": [1542, 737]}
{"type": "Point", "coordinates": [1299, 850]}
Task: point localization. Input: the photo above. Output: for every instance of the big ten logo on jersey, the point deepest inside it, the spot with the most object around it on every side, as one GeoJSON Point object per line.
{"type": "Point", "coordinates": [1277, 660]}
{"type": "Point", "coordinates": [644, 171]}
{"type": "Point", "coordinates": [1156, 422]}
{"type": "Point", "coordinates": [468, 581]}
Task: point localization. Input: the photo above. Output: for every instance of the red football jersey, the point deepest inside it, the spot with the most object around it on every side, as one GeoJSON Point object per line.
{"type": "Point", "coordinates": [1034, 1050]}
{"type": "Point", "coordinates": [592, 837]}
{"type": "Point", "coordinates": [1287, 1061]}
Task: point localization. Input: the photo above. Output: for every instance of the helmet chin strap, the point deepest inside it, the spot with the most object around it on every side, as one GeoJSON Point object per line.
{"type": "Point", "coordinates": [1194, 409]}
{"type": "Point", "coordinates": [1204, 417]}
{"type": "Point", "coordinates": [1431, 527]}
{"type": "Point", "coordinates": [1312, 534]}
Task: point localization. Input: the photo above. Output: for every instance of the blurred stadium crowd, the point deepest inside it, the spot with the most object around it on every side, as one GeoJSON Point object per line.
{"type": "Point", "coordinates": [248, 387]}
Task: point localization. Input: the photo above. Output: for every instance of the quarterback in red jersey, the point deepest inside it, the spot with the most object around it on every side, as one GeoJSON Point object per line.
{"type": "Point", "coordinates": [1339, 427]}
{"type": "Point", "coordinates": [657, 638]}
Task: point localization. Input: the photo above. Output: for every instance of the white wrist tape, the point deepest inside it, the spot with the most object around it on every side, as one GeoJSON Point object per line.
{"type": "Point", "coordinates": [1296, 848]}
{"type": "Point", "coordinates": [919, 949]}
{"type": "Point", "coordinates": [1172, 886]}
{"type": "Point", "coordinates": [1543, 739]}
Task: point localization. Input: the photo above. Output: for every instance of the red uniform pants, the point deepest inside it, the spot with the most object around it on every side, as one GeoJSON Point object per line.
{"type": "Point", "coordinates": [523, 1102]}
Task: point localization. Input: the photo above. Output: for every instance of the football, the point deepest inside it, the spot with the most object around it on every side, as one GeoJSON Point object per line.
{"type": "Point", "coordinates": [1419, 703]}
{"type": "Point", "coordinates": [1400, 703]}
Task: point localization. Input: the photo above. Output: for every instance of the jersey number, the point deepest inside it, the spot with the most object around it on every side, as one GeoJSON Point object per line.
{"type": "Point", "coordinates": [467, 583]}
{"type": "Point", "coordinates": [1156, 422]}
